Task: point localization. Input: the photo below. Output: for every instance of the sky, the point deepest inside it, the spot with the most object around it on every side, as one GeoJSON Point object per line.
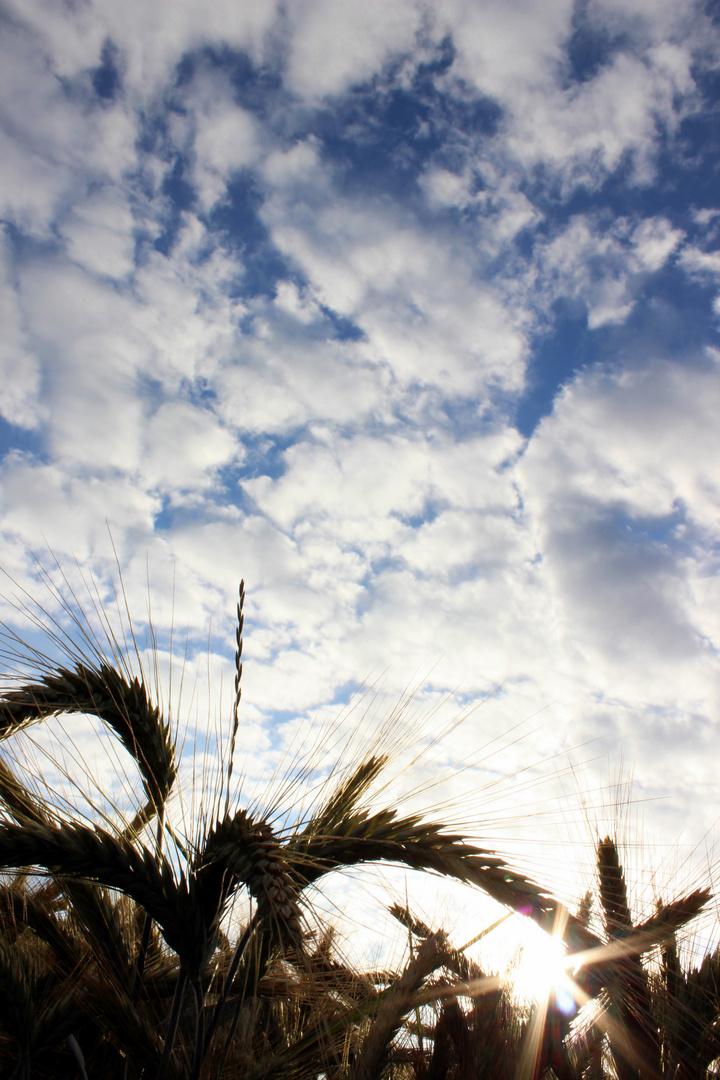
{"type": "Point", "coordinates": [406, 313]}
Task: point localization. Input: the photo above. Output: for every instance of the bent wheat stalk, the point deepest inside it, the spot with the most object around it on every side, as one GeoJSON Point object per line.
{"type": "Point", "coordinates": [123, 704]}
{"type": "Point", "coordinates": [74, 850]}
{"type": "Point", "coordinates": [421, 845]}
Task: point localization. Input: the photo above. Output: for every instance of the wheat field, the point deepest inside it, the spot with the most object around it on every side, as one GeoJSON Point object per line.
{"type": "Point", "coordinates": [145, 943]}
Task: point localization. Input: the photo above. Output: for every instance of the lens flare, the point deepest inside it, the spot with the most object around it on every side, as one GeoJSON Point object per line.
{"type": "Point", "coordinates": [542, 973]}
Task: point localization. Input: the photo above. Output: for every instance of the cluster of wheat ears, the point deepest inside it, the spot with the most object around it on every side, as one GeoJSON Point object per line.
{"type": "Point", "coordinates": [117, 959]}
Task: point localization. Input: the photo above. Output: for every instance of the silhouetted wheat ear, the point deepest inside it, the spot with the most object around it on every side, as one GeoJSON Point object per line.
{"type": "Point", "coordinates": [103, 692]}
{"type": "Point", "coordinates": [248, 851]}
{"type": "Point", "coordinates": [632, 1029]}
{"type": "Point", "coordinates": [405, 916]}
{"type": "Point", "coordinates": [146, 876]}
{"type": "Point", "coordinates": [20, 911]}
{"type": "Point", "coordinates": [694, 1003]}
{"type": "Point", "coordinates": [453, 959]}
{"type": "Point", "coordinates": [662, 927]}
{"type": "Point", "coordinates": [398, 1000]}
{"type": "Point", "coordinates": [344, 799]}
{"type": "Point", "coordinates": [383, 837]}
{"type": "Point", "coordinates": [18, 800]}
{"type": "Point", "coordinates": [613, 892]}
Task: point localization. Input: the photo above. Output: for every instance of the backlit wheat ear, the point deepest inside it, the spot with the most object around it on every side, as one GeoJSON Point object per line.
{"type": "Point", "coordinates": [629, 1020]}
{"type": "Point", "coordinates": [248, 851]}
{"type": "Point", "coordinates": [662, 927]}
{"type": "Point", "coordinates": [120, 703]}
{"type": "Point", "coordinates": [397, 1002]}
{"type": "Point", "coordinates": [613, 892]}
{"type": "Point", "coordinates": [689, 1012]}
{"type": "Point", "coordinates": [146, 876]}
{"type": "Point", "coordinates": [20, 909]}
{"type": "Point", "coordinates": [344, 799]}
{"type": "Point", "coordinates": [405, 916]}
{"type": "Point", "coordinates": [382, 837]}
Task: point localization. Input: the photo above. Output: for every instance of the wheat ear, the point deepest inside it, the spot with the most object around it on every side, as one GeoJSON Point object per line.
{"type": "Point", "coordinates": [382, 837]}
{"type": "Point", "coordinates": [396, 1003]}
{"type": "Point", "coordinates": [662, 927]}
{"type": "Point", "coordinates": [344, 799]}
{"type": "Point", "coordinates": [121, 703]}
{"type": "Point", "coordinates": [613, 892]}
{"type": "Point", "coordinates": [19, 800]}
{"type": "Point", "coordinates": [241, 849]}
{"type": "Point", "coordinates": [79, 851]}
{"type": "Point", "coordinates": [633, 1034]}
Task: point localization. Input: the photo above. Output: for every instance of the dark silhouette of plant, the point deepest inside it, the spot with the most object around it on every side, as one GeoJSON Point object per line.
{"type": "Point", "coordinates": [114, 960]}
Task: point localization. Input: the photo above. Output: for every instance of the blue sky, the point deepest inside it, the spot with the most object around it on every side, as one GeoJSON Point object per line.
{"type": "Point", "coordinates": [408, 313]}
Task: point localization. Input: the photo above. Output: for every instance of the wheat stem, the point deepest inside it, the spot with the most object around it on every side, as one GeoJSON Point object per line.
{"type": "Point", "coordinates": [172, 1025]}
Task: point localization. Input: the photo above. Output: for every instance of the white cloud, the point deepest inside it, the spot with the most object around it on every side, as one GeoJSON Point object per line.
{"type": "Point", "coordinates": [623, 488]}
{"type": "Point", "coordinates": [226, 138]}
{"type": "Point", "coordinates": [584, 133]}
{"type": "Point", "coordinates": [221, 136]}
{"type": "Point", "coordinates": [368, 484]}
{"type": "Point", "coordinates": [654, 241]}
{"type": "Point", "coordinates": [515, 54]}
{"type": "Point", "coordinates": [336, 43]}
{"type": "Point", "coordinates": [704, 217]}
{"type": "Point", "coordinates": [99, 233]}
{"type": "Point", "coordinates": [643, 439]}
{"type": "Point", "coordinates": [19, 369]}
{"type": "Point", "coordinates": [299, 167]}
{"type": "Point", "coordinates": [445, 188]}
{"type": "Point", "coordinates": [603, 264]}
{"type": "Point", "coordinates": [152, 38]}
{"type": "Point", "coordinates": [411, 291]}
{"type": "Point", "coordinates": [652, 21]}
{"type": "Point", "coordinates": [48, 142]}
{"type": "Point", "coordinates": [274, 382]}
{"type": "Point", "coordinates": [289, 299]}
{"type": "Point", "coordinates": [701, 262]}
{"type": "Point", "coordinates": [71, 511]}
{"type": "Point", "coordinates": [182, 445]}
{"type": "Point", "coordinates": [504, 48]}
{"type": "Point", "coordinates": [98, 345]}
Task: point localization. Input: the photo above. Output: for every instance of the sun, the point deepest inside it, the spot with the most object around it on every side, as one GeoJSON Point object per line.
{"type": "Point", "coordinates": [543, 971]}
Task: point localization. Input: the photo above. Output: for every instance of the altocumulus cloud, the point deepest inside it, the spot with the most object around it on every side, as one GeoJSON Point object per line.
{"type": "Point", "coordinates": [407, 313]}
